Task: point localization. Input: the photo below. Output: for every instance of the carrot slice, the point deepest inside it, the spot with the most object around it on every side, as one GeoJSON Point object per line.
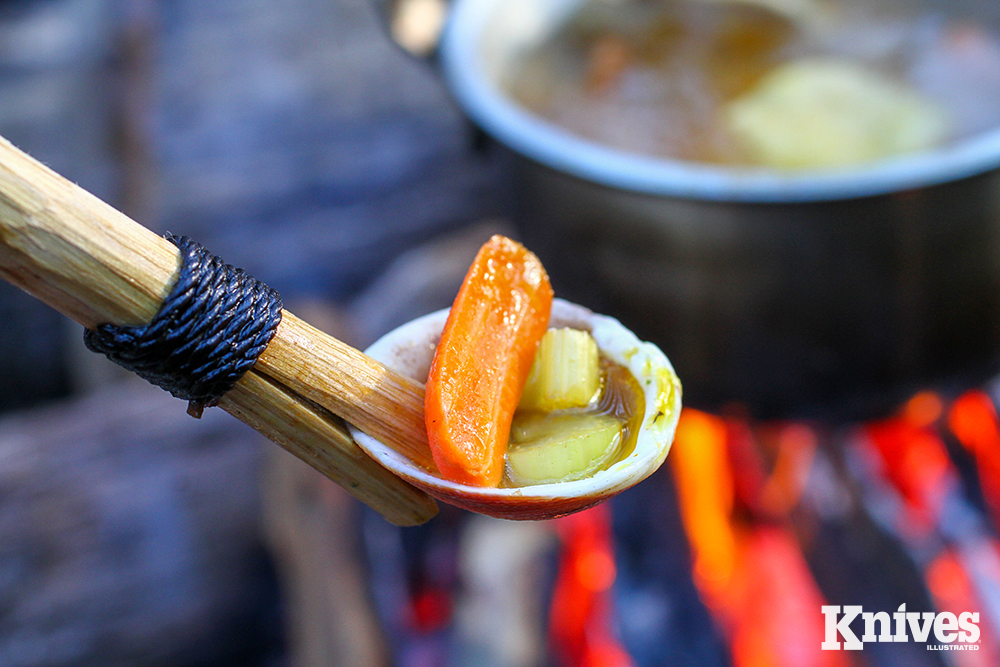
{"type": "Point", "coordinates": [482, 362]}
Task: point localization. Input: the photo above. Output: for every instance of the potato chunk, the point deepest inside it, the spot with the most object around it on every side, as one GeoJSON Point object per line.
{"type": "Point", "coordinates": [831, 113]}
{"type": "Point", "coordinates": [561, 448]}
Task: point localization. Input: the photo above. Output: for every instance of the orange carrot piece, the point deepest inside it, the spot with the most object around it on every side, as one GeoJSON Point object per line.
{"type": "Point", "coordinates": [482, 362]}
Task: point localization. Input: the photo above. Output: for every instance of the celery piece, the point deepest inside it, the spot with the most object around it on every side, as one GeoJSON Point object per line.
{"type": "Point", "coordinates": [560, 448]}
{"type": "Point", "coordinates": [566, 372]}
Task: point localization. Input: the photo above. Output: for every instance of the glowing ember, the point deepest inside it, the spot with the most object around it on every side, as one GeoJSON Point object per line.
{"type": "Point", "coordinates": [973, 420]}
{"type": "Point", "coordinates": [580, 619]}
{"type": "Point", "coordinates": [952, 590]}
{"type": "Point", "coordinates": [916, 462]}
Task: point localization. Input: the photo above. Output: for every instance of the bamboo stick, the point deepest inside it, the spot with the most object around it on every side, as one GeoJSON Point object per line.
{"type": "Point", "coordinates": [95, 265]}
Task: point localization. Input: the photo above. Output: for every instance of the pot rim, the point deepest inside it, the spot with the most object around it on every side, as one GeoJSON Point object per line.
{"type": "Point", "coordinates": [552, 146]}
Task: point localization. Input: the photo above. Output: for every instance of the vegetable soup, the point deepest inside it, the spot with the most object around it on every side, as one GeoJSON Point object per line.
{"type": "Point", "coordinates": [785, 84]}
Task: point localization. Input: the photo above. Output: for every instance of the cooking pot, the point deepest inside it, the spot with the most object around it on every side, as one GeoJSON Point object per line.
{"type": "Point", "coordinates": [832, 292]}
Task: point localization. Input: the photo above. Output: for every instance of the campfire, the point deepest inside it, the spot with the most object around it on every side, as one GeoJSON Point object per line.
{"type": "Point", "coordinates": [771, 512]}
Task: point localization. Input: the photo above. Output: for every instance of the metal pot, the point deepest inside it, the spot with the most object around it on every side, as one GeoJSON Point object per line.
{"type": "Point", "coordinates": [837, 291]}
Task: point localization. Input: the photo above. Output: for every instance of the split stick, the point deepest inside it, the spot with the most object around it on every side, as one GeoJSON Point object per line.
{"type": "Point", "coordinates": [94, 264]}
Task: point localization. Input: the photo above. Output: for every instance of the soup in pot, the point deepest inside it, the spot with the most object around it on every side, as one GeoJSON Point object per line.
{"type": "Point", "coordinates": [785, 84]}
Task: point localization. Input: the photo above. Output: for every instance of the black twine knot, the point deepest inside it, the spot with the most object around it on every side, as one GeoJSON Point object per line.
{"type": "Point", "coordinates": [208, 332]}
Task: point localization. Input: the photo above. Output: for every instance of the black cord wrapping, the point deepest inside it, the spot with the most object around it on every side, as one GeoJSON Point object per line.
{"type": "Point", "coordinates": [208, 332]}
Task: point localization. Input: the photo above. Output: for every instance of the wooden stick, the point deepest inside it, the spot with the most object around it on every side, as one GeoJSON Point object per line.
{"type": "Point", "coordinates": [386, 405]}
{"type": "Point", "coordinates": [63, 245]}
{"type": "Point", "coordinates": [320, 439]}
{"type": "Point", "coordinates": [95, 265]}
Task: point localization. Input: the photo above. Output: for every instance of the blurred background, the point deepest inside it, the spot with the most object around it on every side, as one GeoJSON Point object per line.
{"type": "Point", "coordinates": [296, 140]}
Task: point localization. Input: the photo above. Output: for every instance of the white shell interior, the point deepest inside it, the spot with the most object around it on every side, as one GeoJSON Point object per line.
{"type": "Point", "coordinates": [409, 350]}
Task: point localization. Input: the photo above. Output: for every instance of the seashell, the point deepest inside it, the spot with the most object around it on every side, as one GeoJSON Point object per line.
{"type": "Point", "coordinates": [409, 350]}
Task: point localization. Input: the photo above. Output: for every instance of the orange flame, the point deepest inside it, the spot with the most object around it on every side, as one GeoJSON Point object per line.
{"type": "Point", "coordinates": [753, 578]}
{"type": "Point", "coordinates": [704, 482]}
